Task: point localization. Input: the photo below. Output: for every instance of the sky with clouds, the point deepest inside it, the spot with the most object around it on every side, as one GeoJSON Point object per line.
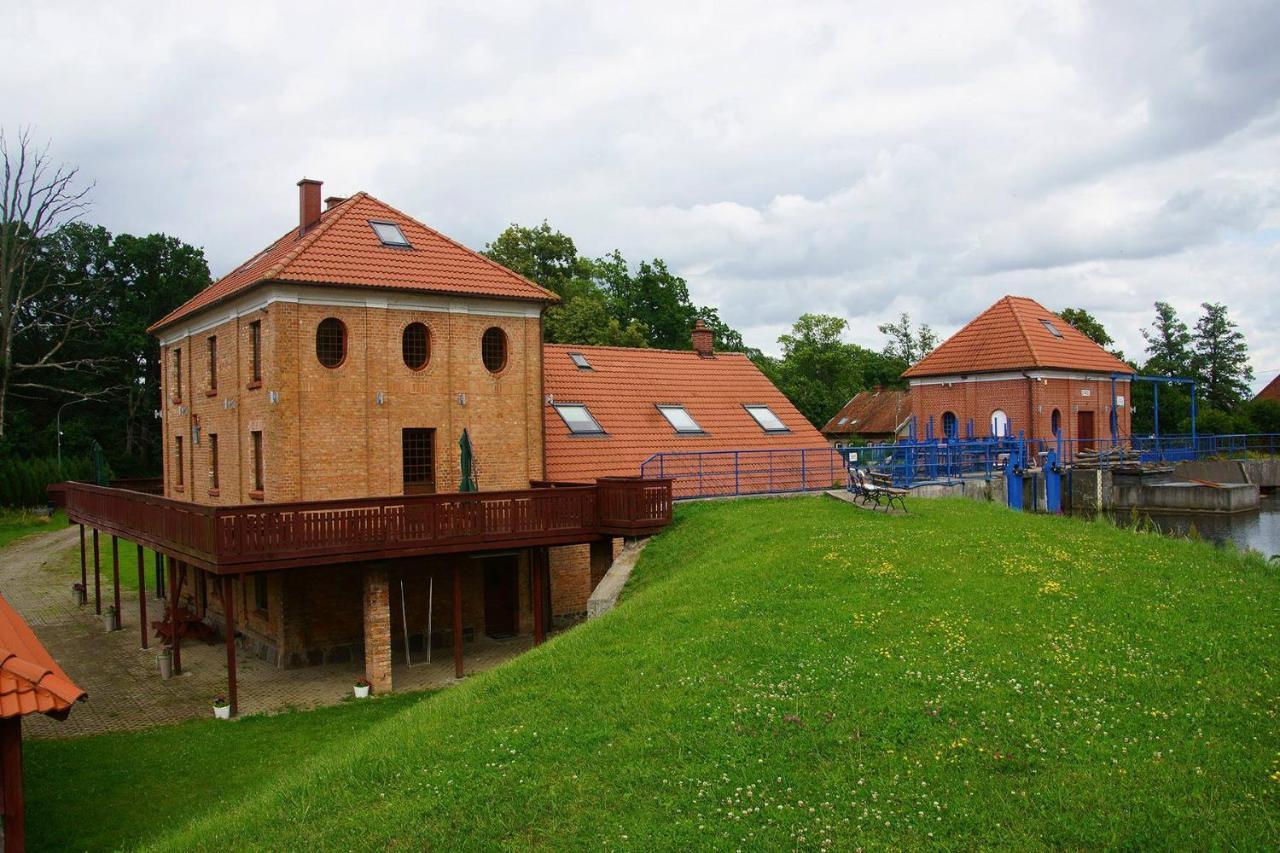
{"type": "Point", "coordinates": [855, 159]}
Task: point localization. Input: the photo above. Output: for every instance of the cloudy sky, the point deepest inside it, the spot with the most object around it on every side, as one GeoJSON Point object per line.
{"type": "Point", "coordinates": [853, 159]}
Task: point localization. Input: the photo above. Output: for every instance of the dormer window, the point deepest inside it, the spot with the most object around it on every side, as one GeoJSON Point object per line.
{"type": "Point", "coordinates": [579, 420]}
{"type": "Point", "coordinates": [768, 421]}
{"type": "Point", "coordinates": [390, 234]}
{"type": "Point", "coordinates": [1053, 330]}
{"type": "Point", "coordinates": [681, 421]}
{"type": "Point", "coordinates": [580, 360]}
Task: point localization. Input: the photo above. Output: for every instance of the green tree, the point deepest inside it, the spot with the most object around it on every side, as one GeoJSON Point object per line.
{"type": "Point", "coordinates": [818, 370]}
{"type": "Point", "coordinates": [544, 256]}
{"type": "Point", "coordinates": [586, 320]}
{"type": "Point", "coordinates": [653, 297]}
{"type": "Point", "coordinates": [1168, 344]}
{"type": "Point", "coordinates": [1088, 325]}
{"type": "Point", "coordinates": [906, 344]}
{"type": "Point", "coordinates": [1221, 358]}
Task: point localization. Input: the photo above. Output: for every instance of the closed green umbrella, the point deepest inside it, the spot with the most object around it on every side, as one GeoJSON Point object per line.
{"type": "Point", "coordinates": [466, 457]}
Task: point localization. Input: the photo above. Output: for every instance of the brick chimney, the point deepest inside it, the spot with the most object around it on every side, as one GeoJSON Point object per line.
{"type": "Point", "coordinates": [308, 204]}
{"type": "Point", "coordinates": [703, 340]}
{"type": "Point", "coordinates": [333, 201]}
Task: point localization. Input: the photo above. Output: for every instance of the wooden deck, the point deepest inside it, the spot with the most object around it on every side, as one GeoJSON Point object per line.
{"type": "Point", "coordinates": [262, 537]}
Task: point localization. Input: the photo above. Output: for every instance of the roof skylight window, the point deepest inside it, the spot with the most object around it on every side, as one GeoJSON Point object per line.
{"type": "Point", "coordinates": [842, 422]}
{"type": "Point", "coordinates": [389, 233]}
{"type": "Point", "coordinates": [580, 360]}
{"type": "Point", "coordinates": [579, 420]}
{"type": "Point", "coordinates": [680, 420]}
{"type": "Point", "coordinates": [768, 421]}
{"type": "Point", "coordinates": [1053, 330]}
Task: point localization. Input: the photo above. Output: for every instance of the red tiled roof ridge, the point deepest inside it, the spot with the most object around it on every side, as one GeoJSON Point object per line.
{"type": "Point", "coordinates": [40, 676]}
{"type": "Point", "coordinates": [31, 682]}
{"type": "Point", "coordinates": [326, 222]}
{"type": "Point", "coordinates": [488, 260]}
{"type": "Point", "coordinates": [1017, 319]}
{"type": "Point", "coordinates": [580, 347]}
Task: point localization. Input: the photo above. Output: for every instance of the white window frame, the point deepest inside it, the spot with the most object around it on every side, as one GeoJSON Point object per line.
{"type": "Point", "coordinates": [753, 408]}
{"type": "Point", "coordinates": [580, 361]}
{"type": "Point", "coordinates": [403, 243]}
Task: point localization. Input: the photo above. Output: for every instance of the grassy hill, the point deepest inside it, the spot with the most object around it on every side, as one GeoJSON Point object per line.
{"type": "Point", "coordinates": [781, 673]}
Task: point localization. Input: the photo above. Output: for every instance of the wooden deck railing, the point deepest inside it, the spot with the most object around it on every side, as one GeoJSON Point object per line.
{"type": "Point", "coordinates": [262, 536]}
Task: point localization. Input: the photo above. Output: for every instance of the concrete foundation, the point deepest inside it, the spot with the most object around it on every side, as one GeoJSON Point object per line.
{"type": "Point", "coordinates": [1187, 497]}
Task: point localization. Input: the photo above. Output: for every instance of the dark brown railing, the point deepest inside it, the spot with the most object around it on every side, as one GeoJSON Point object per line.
{"type": "Point", "coordinates": [262, 536]}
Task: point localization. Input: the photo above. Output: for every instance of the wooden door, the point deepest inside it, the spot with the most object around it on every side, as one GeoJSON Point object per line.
{"type": "Point", "coordinates": [501, 597]}
{"type": "Point", "coordinates": [1084, 430]}
{"type": "Point", "coordinates": [418, 452]}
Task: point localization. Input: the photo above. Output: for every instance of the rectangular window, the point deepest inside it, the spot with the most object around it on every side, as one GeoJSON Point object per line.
{"type": "Point", "coordinates": [417, 448]}
{"type": "Point", "coordinates": [1053, 330]}
{"type": "Point", "coordinates": [177, 376]}
{"type": "Point", "coordinates": [768, 421]}
{"type": "Point", "coordinates": [256, 452]}
{"type": "Point", "coordinates": [579, 420]}
{"type": "Point", "coordinates": [177, 461]}
{"type": "Point", "coordinates": [213, 364]}
{"type": "Point", "coordinates": [260, 601]}
{"type": "Point", "coordinates": [389, 233]}
{"type": "Point", "coordinates": [255, 352]}
{"type": "Point", "coordinates": [680, 420]}
{"type": "Point", "coordinates": [213, 461]}
{"type": "Point", "coordinates": [580, 360]}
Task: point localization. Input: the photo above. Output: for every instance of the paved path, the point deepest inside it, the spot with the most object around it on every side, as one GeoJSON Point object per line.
{"type": "Point", "coordinates": [125, 690]}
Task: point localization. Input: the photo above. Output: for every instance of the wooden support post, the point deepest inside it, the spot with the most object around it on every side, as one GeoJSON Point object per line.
{"type": "Point", "coordinates": [535, 594]}
{"type": "Point", "coordinates": [159, 576]}
{"type": "Point", "coordinates": [142, 595]}
{"type": "Point", "coordinates": [174, 640]}
{"type": "Point", "coordinates": [457, 620]}
{"type": "Point", "coordinates": [229, 608]}
{"type": "Point", "coordinates": [84, 572]}
{"type": "Point", "coordinates": [15, 826]}
{"type": "Point", "coordinates": [115, 578]}
{"type": "Point", "coordinates": [97, 578]}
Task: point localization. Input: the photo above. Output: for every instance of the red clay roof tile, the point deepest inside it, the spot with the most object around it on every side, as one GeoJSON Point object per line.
{"type": "Point", "coordinates": [873, 412]}
{"type": "Point", "coordinates": [1010, 335]}
{"type": "Point", "coordinates": [1271, 392]}
{"type": "Point", "coordinates": [31, 682]}
{"type": "Point", "coordinates": [624, 388]}
{"type": "Point", "coordinates": [342, 249]}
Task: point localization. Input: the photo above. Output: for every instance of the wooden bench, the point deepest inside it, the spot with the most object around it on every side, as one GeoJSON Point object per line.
{"type": "Point", "coordinates": [189, 625]}
{"type": "Point", "coordinates": [871, 486]}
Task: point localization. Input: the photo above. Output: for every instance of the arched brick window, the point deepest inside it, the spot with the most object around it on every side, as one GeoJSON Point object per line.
{"type": "Point", "coordinates": [1055, 422]}
{"type": "Point", "coordinates": [999, 423]}
{"type": "Point", "coordinates": [493, 349]}
{"type": "Point", "coordinates": [331, 342]}
{"type": "Point", "coordinates": [950, 425]}
{"type": "Point", "coordinates": [415, 346]}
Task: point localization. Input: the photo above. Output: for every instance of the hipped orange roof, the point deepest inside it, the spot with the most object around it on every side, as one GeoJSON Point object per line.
{"type": "Point", "coordinates": [624, 388]}
{"type": "Point", "coordinates": [871, 412]}
{"type": "Point", "coordinates": [342, 249]}
{"type": "Point", "coordinates": [1010, 335]}
{"type": "Point", "coordinates": [31, 682]}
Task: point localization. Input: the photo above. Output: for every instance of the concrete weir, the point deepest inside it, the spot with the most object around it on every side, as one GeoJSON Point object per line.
{"type": "Point", "coordinates": [1181, 496]}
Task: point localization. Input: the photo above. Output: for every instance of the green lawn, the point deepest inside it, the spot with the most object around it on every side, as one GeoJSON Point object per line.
{"type": "Point", "coordinates": [68, 565]}
{"type": "Point", "coordinates": [781, 673]}
{"type": "Point", "coordinates": [15, 524]}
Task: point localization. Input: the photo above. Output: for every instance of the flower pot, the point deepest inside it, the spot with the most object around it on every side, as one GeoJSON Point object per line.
{"type": "Point", "coordinates": [165, 661]}
{"type": "Point", "coordinates": [361, 691]}
{"type": "Point", "coordinates": [79, 594]}
{"type": "Point", "coordinates": [109, 618]}
{"type": "Point", "coordinates": [222, 712]}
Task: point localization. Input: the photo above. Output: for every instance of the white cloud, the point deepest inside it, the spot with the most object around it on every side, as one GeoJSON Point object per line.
{"type": "Point", "coordinates": [785, 158]}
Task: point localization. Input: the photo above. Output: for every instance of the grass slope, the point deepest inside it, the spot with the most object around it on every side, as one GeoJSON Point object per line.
{"type": "Point", "coordinates": [802, 673]}
{"type": "Point", "coordinates": [15, 524]}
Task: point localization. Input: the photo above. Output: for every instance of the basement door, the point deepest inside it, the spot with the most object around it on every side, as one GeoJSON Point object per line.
{"type": "Point", "coordinates": [1084, 430]}
{"type": "Point", "coordinates": [501, 596]}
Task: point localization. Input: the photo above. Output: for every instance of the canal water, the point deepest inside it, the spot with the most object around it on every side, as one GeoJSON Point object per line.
{"type": "Point", "coordinates": [1257, 531]}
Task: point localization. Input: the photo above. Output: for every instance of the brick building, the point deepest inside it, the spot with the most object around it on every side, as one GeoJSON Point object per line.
{"type": "Point", "coordinates": [877, 414]}
{"type": "Point", "coordinates": [1018, 367]}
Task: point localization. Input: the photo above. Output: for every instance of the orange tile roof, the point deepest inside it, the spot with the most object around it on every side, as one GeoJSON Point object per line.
{"type": "Point", "coordinates": [1010, 336]}
{"type": "Point", "coordinates": [1271, 392]}
{"type": "Point", "coordinates": [31, 682]}
{"type": "Point", "coordinates": [876, 412]}
{"type": "Point", "coordinates": [624, 388]}
{"type": "Point", "coordinates": [342, 249]}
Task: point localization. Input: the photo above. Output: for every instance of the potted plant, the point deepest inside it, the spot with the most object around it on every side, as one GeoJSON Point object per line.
{"type": "Point", "coordinates": [222, 708]}
{"type": "Point", "coordinates": [361, 688]}
{"type": "Point", "coordinates": [79, 593]}
{"type": "Point", "coordinates": [165, 661]}
{"type": "Point", "coordinates": [109, 617]}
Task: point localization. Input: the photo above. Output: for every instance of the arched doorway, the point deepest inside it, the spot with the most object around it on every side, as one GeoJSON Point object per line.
{"type": "Point", "coordinates": [950, 425]}
{"type": "Point", "coordinates": [1055, 422]}
{"type": "Point", "coordinates": [999, 423]}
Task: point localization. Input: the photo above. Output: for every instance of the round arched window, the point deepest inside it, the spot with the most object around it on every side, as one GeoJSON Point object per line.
{"type": "Point", "coordinates": [331, 342]}
{"type": "Point", "coordinates": [415, 346]}
{"type": "Point", "coordinates": [1055, 422]}
{"type": "Point", "coordinates": [999, 423]}
{"type": "Point", "coordinates": [493, 349]}
{"type": "Point", "coordinates": [950, 426]}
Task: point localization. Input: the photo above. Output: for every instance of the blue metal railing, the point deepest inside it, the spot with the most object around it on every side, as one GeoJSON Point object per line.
{"type": "Point", "coordinates": [727, 473]}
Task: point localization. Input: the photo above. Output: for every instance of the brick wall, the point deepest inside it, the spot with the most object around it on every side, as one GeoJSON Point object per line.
{"type": "Point", "coordinates": [1029, 404]}
{"type": "Point", "coordinates": [575, 571]}
{"type": "Point", "coordinates": [327, 436]}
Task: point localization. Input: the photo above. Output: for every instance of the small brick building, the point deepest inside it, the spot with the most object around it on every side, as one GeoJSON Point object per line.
{"type": "Point", "coordinates": [877, 414]}
{"type": "Point", "coordinates": [1019, 368]}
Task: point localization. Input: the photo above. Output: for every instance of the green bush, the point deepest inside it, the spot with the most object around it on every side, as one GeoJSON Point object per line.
{"type": "Point", "coordinates": [23, 481]}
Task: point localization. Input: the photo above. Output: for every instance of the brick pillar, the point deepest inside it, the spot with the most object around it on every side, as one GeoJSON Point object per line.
{"type": "Point", "coordinates": [377, 629]}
